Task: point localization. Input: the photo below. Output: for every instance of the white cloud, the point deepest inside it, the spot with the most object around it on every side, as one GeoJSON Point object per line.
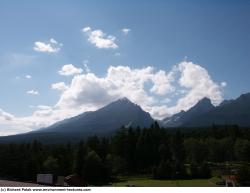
{"type": "Point", "coordinates": [100, 39]}
{"type": "Point", "coordinates": [126, 31]}
{"type": "Point", "coordinates": [53, 41]}
{"type": "Point", "coordinates": [159, 111]}
{"type": "Point", "coordinates": [32, 92]}
{"type": "Point", "coordinates": [61, 86]}
{"type": "Point", "coordinates": [28, 76]}
{"type": "Point", "coordinates": [43, 111]}
{"type": "Point", "coordinates": [197, 84]}
{"type": "Point", "coordinates": [150, 88]}
{"type": "Point", "coordinates": [223, 84]}
{"type": "Point", "coordinates": [120, 81]}
{"type": "Point", "coordinates": [86, 66]}
{"type": "Point", "coordinates": [86, 29]}
{"type": "Point", "coordinates": [5, 116]}
{"type": "Point", "coordinates": [52, 46]}
{"type": "Point", "coordinates": [190, 80]}
{"type": "Point", "coordinates": [85, 90]}
{"type": "Point", "coordinates": [162, 83]}
{"type": "Point", "coordinates": [69, 69]}
{"type": "Point", "coordinates": [9, 124]}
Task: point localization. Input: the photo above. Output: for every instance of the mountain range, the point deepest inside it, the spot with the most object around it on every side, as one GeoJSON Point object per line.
{"type": "Point", "coordinates": [204, 114]}
{"type": "Point", "coordinates": [123, 112]}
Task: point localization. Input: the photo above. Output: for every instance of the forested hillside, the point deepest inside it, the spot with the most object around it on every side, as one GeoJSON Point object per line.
{"type": "Point", "coordinates": [154, 151]}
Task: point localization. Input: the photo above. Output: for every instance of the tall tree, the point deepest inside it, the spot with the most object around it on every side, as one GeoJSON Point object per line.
{"type": "Point", "coordinates": [80, 159]}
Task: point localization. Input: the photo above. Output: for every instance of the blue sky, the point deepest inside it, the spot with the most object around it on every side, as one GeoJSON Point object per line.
{"type": "Point", "coordinates": [213, 37]}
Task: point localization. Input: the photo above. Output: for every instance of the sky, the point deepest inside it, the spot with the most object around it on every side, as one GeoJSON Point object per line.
{"type": "Point", "coordinates": [61, 58]}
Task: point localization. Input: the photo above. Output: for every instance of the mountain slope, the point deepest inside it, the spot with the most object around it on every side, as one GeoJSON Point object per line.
{"type": "Point", "coordinates": [234, 112]}
{"type": "Point", "coordinates": [173, 121]}
{"type": "Point", "coordinates": [225, 102]}
{"type": "Point", "coordinates": [111, 117]}
{"type": "Point", "coordinates": [179, 119]}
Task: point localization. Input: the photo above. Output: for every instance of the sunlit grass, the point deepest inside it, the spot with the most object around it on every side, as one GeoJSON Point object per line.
{"type": "Point", "coordinates": [147, 182]}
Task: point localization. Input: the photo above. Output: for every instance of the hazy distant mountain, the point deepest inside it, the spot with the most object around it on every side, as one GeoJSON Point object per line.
{"type": "Point", "coordinates": [179, 119]}
{"type": "Point", "coordinates": [111, 117]}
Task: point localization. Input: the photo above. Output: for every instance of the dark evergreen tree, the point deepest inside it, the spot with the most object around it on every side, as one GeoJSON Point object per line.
{"type": "Point", "coordinates": [178, 156]}
{"type": "Point", "coordinates": [50, 165]}
{"type": "Point", "coordinates": [80, 159]}
{"type": "Point", "coordinates": [242, 150]}
{"type": "Point", "coordinates": [95, 171]}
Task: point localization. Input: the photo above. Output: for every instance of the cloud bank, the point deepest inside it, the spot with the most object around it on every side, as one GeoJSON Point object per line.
{"type": "Point", "coordinates": [152, 89]}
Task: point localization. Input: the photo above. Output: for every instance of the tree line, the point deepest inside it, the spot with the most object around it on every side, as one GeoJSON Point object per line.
{"type": "Point", "coordinates": [157, 152]}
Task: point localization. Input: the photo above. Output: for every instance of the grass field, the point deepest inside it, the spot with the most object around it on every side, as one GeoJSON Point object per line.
{"type": "Point", "coordinates": [147, 182]}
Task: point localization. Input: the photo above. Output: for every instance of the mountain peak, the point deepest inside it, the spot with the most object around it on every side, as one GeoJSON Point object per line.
{"type": "Point", "coordinates": [106, 119]}
{"type": "Point", "coordinates": [204, 113]}
{"type": "Point", "coordinates": [205, 100]}
{"type": "Point", "coordinates": [245, 96]}
{"type": "Point", "coordinates": [124, 99]}
{"type": "Point", "coordinates": [203, 105]}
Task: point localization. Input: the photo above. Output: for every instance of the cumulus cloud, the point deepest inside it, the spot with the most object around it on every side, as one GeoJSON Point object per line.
{"type": "Point", "coordinates": [190, 80]}
{"type": "Point", "coordinates": [61, 86]}
{"type": "Point", "coordinates": [197, 84]}
{"type": "Point", "coordinates": [51, 46]}
{"type": "Point", "coordinates": [126, 31]}
{"type": "Point", "coordinates": [85, 90]}
{"type": "Point", "coordinates": [152, 89]}
{"type": "Point", "coordinates": [120, 81]}
{"type": "Point", "coordinates": [162, 83]}
{"type": "Point", "coordinates": [69, 69]}
{"type": "Point", "coordinates": [100, 39]}
{"type": "Point", "coordinates": [32, 92]}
